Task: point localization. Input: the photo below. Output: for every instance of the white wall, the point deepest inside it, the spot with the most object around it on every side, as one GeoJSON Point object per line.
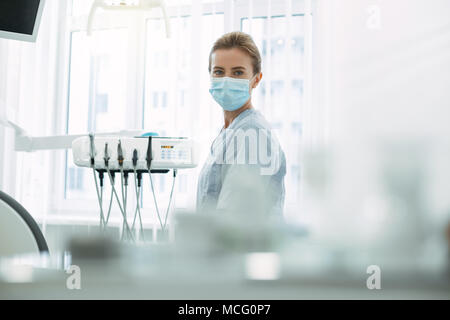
{"type": "Point", "coordinates": [394, 78]}
{"type": "Point", "coordinates": [386, 90]}
{"type": "Point", "coordinates": [387, 80]}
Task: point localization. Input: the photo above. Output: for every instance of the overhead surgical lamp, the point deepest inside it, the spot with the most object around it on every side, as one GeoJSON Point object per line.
{"type": "Point", "coordinates": [127, 5]}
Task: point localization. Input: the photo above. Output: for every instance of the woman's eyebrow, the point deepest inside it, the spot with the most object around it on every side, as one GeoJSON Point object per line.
{"type": "Point", "coordinates": [239, 67]}
{"type": "Point", "coordinates": [218, 68]}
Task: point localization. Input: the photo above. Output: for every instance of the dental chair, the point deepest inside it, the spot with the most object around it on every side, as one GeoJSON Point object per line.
{"type": "Point", "coordinates": [19, 232]}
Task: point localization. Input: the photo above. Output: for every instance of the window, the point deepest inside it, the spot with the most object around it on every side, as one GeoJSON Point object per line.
{"type": "Point", "coordinates": [282, 67]}
{"type": "Point", "coordinates": [97, 93]}
{"type": "Point", "coordinates": [129, 75]}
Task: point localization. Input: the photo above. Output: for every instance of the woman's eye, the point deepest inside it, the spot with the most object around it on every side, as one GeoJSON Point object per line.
{"type": "Point", "coordinates": [238, 73]}
{"type": "Point", "coordinates": [218, 72]}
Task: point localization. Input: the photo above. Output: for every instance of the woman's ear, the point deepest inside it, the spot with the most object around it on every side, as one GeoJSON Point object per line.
{"type": "Point", "coordinates": [257, 80]}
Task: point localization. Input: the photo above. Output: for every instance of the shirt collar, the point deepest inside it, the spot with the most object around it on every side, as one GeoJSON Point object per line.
{"type": "Point", "coordinates": [244, 114]}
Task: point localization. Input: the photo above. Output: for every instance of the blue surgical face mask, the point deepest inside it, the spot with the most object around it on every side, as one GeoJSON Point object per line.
{"type": "Point", "coordinates": [230, 93]}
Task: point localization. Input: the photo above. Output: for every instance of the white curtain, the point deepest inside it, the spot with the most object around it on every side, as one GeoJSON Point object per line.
{"type": "Point", "coordinates": [28, 84]}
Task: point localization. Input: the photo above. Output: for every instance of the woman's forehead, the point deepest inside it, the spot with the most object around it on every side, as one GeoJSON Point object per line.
{"type": "Point", "coordinates": [230, 58]}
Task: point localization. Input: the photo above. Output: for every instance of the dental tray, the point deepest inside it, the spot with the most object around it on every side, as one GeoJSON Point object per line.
{"type": "Point", "coordinates": [165, 153]}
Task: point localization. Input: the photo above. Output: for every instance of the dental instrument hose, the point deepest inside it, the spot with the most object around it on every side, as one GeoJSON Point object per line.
{"type": "Point", "coordinates": [106, 159]}
{"type": "Point", "coordinates": [137, 188]}
{"type": "Point", "coordinates": [123, 185]}
{"type": "Point", "coordinates": [149, 159]}
{"type": "Point", "coordinates": [170, 197]}
{"type": "Point", "coordinates": [99, 195]}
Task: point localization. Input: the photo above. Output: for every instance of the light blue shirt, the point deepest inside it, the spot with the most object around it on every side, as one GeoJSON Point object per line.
{"type": "Point", "coordinates": [244, 170]}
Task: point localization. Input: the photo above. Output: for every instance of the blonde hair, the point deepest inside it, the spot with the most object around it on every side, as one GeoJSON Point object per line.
{"type": "Point", "coordinates": [240, 40]}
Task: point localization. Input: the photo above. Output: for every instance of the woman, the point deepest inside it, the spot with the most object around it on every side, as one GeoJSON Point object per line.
{"type": "Point", "coordinates": [245, 169]}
